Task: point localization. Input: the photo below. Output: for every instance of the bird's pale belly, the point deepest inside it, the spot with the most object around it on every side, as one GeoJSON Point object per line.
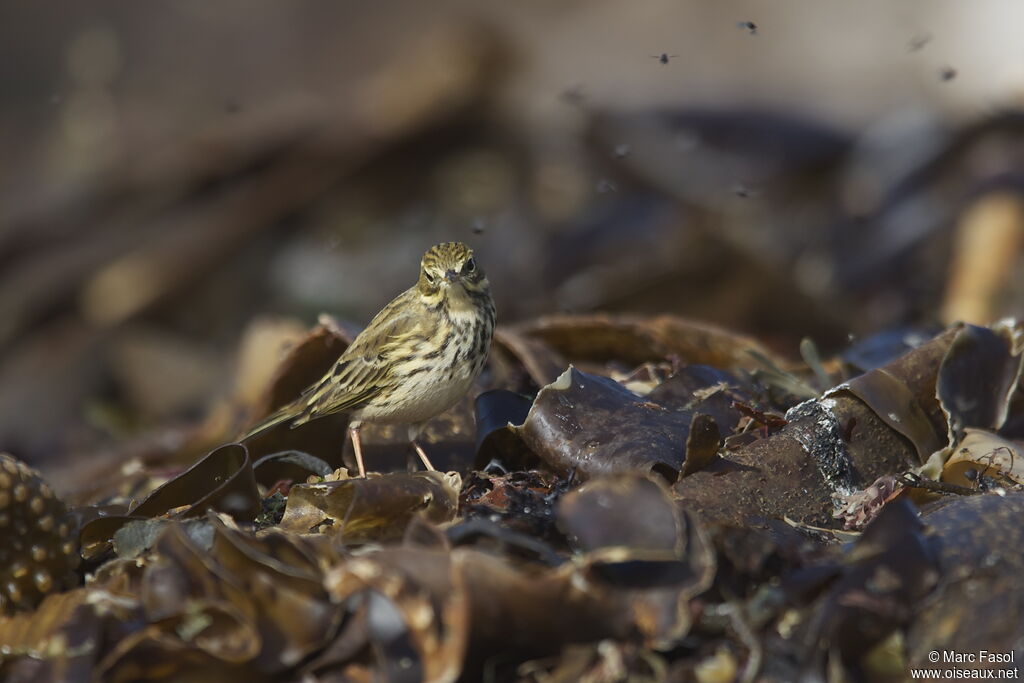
{"type": "Point", "coordinates": [423, 405]}
{"type": "Point", "coordinates": [425, 394]}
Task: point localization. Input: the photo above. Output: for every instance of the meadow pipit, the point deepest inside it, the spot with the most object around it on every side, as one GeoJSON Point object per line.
{"type": "Point", "coordinates": [415, 359]}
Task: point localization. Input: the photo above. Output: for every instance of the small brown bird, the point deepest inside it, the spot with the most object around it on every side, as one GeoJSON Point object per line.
{"type": "Point", "coordinates": [415, 359]}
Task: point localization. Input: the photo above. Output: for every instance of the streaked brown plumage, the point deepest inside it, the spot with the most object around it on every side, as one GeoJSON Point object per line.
{"type": "Point", "coordinates": [415, 359]}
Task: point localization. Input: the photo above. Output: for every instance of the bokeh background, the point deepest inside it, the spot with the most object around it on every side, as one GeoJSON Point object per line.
{"type": "Point", "coordinates": [177, 178]}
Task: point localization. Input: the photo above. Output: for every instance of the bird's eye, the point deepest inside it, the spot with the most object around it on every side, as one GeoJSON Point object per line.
{"type": "Point", "coordinates": [469, 267]}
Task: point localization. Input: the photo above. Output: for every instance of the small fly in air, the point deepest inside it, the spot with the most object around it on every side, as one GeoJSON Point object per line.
{"type": "Point", "coordinates": [663, 57]}
{"type": "Point", "coordinates": [744, 191]}
{"type": "Point", "coordinates": [573, 95]}
{"type": "Point", "coordinates": [947, 73]}
{"type": "Point", "coordinates": [918, 42]}
{"type": "Point", "coordinates": [748, 26]}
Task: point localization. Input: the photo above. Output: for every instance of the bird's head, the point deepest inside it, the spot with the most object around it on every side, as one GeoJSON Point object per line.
{"type": "Point", "coordinates": [449, 270]}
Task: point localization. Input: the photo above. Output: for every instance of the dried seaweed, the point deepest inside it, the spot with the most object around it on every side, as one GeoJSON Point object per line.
{"type": "Point", "coordinates": [980, 363]}
{"type": "Point", "coordinates": [978, 600]}
{"type": "Point", "coordinates": [885, 576]}
{"type": "Point", "coordinates": [983, 458]}
{"type": "Point", "coordinates": [497, 413]}
{"type": "Point", "coordinates": [602, 533]}
{"type": "Point", "coordinates": [222, 481]}
{"type": "Point", "coordinates": [794, 472]}
{"type": "Point", "coordinates": [634, 340]}
{"type": "Point", "coordinates": [377, 508]}
{"type": "Point", "coordinates": [593, 425]}
{"type": "Point", "coordinates": [894, 403]}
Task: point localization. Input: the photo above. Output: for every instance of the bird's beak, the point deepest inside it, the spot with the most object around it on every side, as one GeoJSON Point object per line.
{"type": "Point", "coordinates": [450, 275]}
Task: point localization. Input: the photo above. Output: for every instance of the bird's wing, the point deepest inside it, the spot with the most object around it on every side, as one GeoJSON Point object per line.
{"type": "Point", "coordinates": [364, 369]}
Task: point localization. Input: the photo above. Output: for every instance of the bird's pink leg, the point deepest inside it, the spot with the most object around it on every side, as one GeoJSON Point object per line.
{"type": "Point", "coordinates": [358, 448]}
{"type": "Point", "coordinates": [423, 456]}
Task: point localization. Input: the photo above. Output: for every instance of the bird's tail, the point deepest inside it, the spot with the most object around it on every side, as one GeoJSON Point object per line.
{"type": "Point", "coordinates": [289, 412]}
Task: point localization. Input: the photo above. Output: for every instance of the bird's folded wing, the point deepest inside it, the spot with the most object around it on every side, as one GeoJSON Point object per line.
{"type": "Point", "coordinates": [364, 370]}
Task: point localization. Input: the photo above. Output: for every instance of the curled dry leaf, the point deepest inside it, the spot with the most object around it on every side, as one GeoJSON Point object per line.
{"type": "Point", "coordinates": [705, 389]}
{"type": "Point", "coordinates": [894, 403]}
{"type": "Point", "coordinates": [884, 347]}
{"type": "Point", "coordinates": [210, 640]}
{"type": "Point", "coordinates": [976, 380]}
{"type": "Point", "coordinates": [629, 511]}
{"type": "Point", "coordinates": [376, 508]}
{"type": "Point", "coordinates": [62, 637]}
{"type": "Point", "coordinates": [702, 444]}
{"type": "Point", "coordinates": [524, 612]}
{"type": "Point", "coordinates": [286, 598]}
{"type": "Point", "coordinates": [599, 338]}
{"type": "Point", "coordinates": [136, 538]}
{"type": "Point", "coordinates": [222, 481]}
{"type": "Point", "coordinates": [304, 461]}
{"type": "Point", "coordinates": [498, 412]}
{"type": "Point", "coordinates": [747, 556]}
{"type": "Point", "coordinates": [409, 609]}
{"type": "Point", "coordinates": [980, 595]}
{"type": "Point", "coordinates": [593, 425]}
{"type": "Point", "coordinates": [520, 361]}
{"type": "Point", "coordinates": [1013, 330]}
{"type": "Point", "coordinates": [237, 604]}
{"type": "Point", "coordinates": [449, 613]}
{"type": "Point", "coordinates": [287, 467]}
{"type": "Point", "coordinates": [499, 538]}
{"type": "Point", "coordinates": [607, 660]}
{"type": "Point", "coordinates": [643, 379]}
{"type": "Point", "coordinates": [884, 577]}
{"type": "Point", "coordinates": [982, 453]}
{"type": "Point", "coordinates": [636, 541]}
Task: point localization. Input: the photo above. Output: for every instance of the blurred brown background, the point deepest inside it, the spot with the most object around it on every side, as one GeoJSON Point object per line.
{"type": "Point", "coordinates": [173, 172]}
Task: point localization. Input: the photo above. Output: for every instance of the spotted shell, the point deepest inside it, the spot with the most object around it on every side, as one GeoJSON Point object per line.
{"type": "Point", "coordinates": [38, 539]}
